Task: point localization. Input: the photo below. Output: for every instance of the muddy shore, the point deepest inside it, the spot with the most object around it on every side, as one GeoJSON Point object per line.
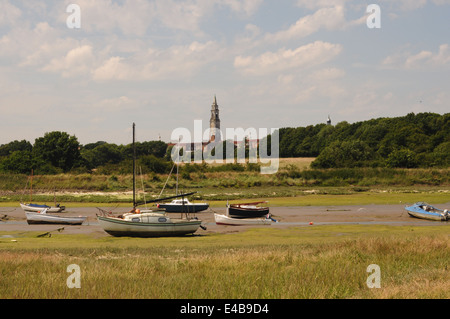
{"type": "Point", "coordinates": [12, 219]}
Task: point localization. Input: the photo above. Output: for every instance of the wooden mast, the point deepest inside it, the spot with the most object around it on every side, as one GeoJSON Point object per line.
{"type": "Point", "coordinates": [134, 170]}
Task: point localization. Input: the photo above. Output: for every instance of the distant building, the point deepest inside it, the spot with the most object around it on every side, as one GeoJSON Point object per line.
{"type": "Point", "coordinates": [214, 122]}
{"type": "Point", "coordinates": [215, 135]}
{"type": "Point", "coordinates": [328, 120]}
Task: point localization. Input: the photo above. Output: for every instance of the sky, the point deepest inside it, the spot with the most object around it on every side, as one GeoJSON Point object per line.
{"type": "Point", "coordinates": [271, 64]}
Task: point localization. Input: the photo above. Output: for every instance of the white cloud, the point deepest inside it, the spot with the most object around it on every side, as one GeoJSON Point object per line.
{"type": "Point", "coordinates": [247, 7]}
{"type": "Point", "coordinates": [116, 104]}
{"type": "Point", "coordinates": [9, 14]}
{"type": "Point", "coordinates": [423, 59]}
{"type": "Point", "coordinates": [306, 56]}
{"type": "Point", "coordinates": [178, 61]}
{"type": "Point", "coordinates": [77, 61]}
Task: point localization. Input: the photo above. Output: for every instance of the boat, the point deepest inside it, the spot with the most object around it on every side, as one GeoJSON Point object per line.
{"type": "Point", "coordinates": [227, 220]}
{"type": "Point", "coordinates": [151, 223]}
{"type": "Point", "coordinates": [41, 217]}
{"type": "Point", "coordinates": [426, 211]}
{"type": "Point", "coordinates": [247, 210]}
{"type": "Point", "coordinates": [37, 208]}
{"type": "Point", "coordinates": [183, 206]}
{"type": "Point", "coordinates": [31, 207]}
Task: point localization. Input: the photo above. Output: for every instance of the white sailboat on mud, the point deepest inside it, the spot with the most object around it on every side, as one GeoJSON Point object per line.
{"type": "Point", "coordinates": [33, 207]}
{"type": "Point", "coordinates": [151, 223]}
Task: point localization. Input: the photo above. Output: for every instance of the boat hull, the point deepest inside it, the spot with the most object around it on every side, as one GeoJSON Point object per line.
{"type": "Point", "coordinates": [166, 228]}
{"type": "Point", "coordinates": [242, 212]}
{"type": "Point", "coordinates": [38, 208]}
{"type": "Point", "coordinates": [189, 208]}
{"type": "Point", "coordinates": [38, 218]}
{"type": "Point", "coordinates": [226, 220]}
{"type": "Point", "coordinates": [417, 211]}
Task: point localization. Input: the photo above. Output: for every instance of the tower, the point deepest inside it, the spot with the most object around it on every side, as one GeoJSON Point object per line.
{"type": "Point", "coordinates": [328, 120]}
{"type": "Point", "coordinates": [214, 122]}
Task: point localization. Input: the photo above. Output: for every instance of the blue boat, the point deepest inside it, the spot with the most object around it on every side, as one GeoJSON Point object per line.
{"type": "Point", "coordinates": [426, 211]}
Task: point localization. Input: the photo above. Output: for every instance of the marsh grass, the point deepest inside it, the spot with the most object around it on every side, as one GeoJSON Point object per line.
{"type": "Point", "coordinates": [303, 262]}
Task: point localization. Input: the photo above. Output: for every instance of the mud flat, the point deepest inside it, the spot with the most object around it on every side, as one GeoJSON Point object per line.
{"type": "Point", "coordinates": [13, 218]}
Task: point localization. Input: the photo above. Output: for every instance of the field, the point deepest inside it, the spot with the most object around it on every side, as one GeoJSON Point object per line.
{"type": "Point", "coordinates": [292, 262]}
{"type": "Point", "coordinates": [299, 262]}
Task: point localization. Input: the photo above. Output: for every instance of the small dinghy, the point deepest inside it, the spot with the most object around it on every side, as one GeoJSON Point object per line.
{"type": "Point", "coordinates": [247, 210]}
{"type": "Point", "coordinates": [43, 218]}
{"type": "Point", "coordinates": [227, 220]}
{"type": "Point", "coordinates": [426, 211]}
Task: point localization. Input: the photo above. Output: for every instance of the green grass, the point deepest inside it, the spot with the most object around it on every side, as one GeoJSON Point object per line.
{"type": "Point", "coordinates": [299, 197]}
{"type": "Point", "coordinates": [301, 262]}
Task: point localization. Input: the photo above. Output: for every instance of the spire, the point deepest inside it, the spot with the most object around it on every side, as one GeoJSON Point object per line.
{"type": "Point", "coordinates": [214, 122]}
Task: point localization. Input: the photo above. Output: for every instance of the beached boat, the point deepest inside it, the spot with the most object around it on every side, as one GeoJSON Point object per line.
{"type": "Point", "coordinates": [227, 220]}
{"type": "Point", "coordinates": [37, 208]}
{"type": "Point", "coordinates": [31, 207]}
{"type": "Point", "coordinates": [425, 211]}
{"type": "Point", "coordinates": [151, 223]}
{"type": "Point", "coordinates": [183, 206]}
{"type": "Point", "coordinates": [247, 210]}
{"type": "Point", "coordinates": [43, 218]}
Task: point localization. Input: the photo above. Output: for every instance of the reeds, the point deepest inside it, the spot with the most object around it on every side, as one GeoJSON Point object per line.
{"type": "Point", "coordinates": [317, 262]}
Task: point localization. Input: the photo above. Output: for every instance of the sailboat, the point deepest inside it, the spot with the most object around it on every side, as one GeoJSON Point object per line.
{"type": "Point", "coordinates": [151, 223]}
{"type": "Point", "coordinates": [181, 205]}
{"type": "Point", "coordinates": [32, 207]}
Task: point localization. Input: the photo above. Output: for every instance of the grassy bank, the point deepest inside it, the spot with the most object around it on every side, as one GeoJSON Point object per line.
{"type": "Point", "coordinates": [295, 183]}
{"type": "Point", "coordinates": [296, 197]}
{"type": "Point", "coordinates": [304, 262]}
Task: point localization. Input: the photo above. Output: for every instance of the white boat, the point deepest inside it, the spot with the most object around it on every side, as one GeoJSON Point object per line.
{"type": "Point", "coordinates": [30, 207]}
{"type": "Point", "coordinates": [152, 224]}
{"type": "Point", "coordinates": [37, 208]}
{"type": "Point", "coordinates": [149, 223]}
{"type": "Point", "coordinates": [226, 220]}
{"type": "Point", "coordinates": [44, 218]}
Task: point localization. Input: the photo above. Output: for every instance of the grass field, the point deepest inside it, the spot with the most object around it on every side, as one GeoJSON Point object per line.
{"type": "Point", "coordinates": [304, 262]}
{"type": "Point", "coordinates": [274, 263]}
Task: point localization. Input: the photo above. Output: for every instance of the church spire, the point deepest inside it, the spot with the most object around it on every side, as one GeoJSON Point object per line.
{"type": "Point", "coordinates": [214, 122]}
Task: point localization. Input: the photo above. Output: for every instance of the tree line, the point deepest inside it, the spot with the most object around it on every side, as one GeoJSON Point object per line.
{"type": "Point", "coordinates": [58, 152]}
{"type": "Point", "coordinates": [414, 140]}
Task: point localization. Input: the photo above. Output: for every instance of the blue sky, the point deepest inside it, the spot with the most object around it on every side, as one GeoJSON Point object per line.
{"type": "Point", "coordinates": [271, 64]}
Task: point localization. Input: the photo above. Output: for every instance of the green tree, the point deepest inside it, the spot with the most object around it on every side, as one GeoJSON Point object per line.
{"type": "Point", "coordinates": [344, 154]}
{"type": "Point", "coordinates": [102, 154]}
{"type": "Point", "coordinates": [11, 147]}
{"type": "Point", "coordinates": [17, 162]}
{"type": "Point", "coordinates": [402, 158]}
{"type": "Point", "coordinates": [58, 149]}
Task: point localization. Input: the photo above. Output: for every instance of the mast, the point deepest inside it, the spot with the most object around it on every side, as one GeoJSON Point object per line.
{"type": "Point", "coordinates": [31, 187]}
{"type": "Point", "coordinates": [134, 170]}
